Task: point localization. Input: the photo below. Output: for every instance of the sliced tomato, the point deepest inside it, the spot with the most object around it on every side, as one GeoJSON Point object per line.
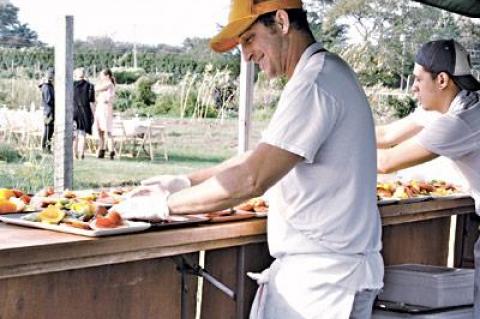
{"type": "Point", "coordinates": [100, 210]}
{"type": "Point", "coordinates": [49, 190]}
{"type": "Point", "coordinates": [18, 193]}
{"type": "Point", "coordinates": [25, 198]}
{"type": "Point", "coordinates": [111, 220]}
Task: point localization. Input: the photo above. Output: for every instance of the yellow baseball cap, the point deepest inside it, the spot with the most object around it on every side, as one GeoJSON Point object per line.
{"type": "Point", "coordinates": [243, 13]}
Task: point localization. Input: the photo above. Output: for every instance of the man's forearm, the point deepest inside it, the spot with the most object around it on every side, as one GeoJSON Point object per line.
{"type": "Point", "coordinates": [202, 175]}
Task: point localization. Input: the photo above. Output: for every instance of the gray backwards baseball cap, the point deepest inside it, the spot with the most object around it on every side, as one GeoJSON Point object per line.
{"type": "Point", "coordinates": [450, 57]}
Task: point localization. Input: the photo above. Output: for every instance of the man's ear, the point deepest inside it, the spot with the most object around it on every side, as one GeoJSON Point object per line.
{"type": "Point", "coordinates": [283, 23]}
{"type": "Point", "coordinates": [443, 80]}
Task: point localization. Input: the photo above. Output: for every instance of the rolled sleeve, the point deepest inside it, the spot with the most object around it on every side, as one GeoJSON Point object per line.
{"type": "Point", "coordinates": [448, 136]}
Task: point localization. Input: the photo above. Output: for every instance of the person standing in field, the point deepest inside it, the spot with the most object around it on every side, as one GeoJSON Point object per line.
{"type": "Point", "coordinates": [444, 86]}
{"type": "Point", "coordinates": [83, 110]}
{"type": "Point", "coordinates": [316, 166]}
{"type": "Point", "coordinates": [105, 90]}
{"type": "Point", "coordinates": [48, 105]}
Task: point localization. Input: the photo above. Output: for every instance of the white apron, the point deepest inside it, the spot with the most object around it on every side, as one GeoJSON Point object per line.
{"type": "Point", "coordinates": [292, 289]}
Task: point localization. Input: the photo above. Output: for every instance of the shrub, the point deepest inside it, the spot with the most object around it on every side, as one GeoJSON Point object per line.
{"type": "Point", "coordinates": [8, 153]}
{"type": "Point", "coordinates": [124, 98]}
{"type": "Point", "coordinates": [143, 91]}
{"type": "Point", "coordinates": [166, 104]}
{"type": "Point", "coordinates": [403, 105]}
{"type": "Point", "coordinates": [127, 75]}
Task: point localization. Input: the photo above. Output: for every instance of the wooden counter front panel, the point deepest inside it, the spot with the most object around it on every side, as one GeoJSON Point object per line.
{"type": "Point", "coordinates": [222, 264]}
{"type": "Point", "coordinates": [140, 290]}
{"type": "Point", "coordinates": [423, 242]}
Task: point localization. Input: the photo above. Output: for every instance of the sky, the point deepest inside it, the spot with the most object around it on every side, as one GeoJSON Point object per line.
{"type": "Point", "coordinates": [144, 21]}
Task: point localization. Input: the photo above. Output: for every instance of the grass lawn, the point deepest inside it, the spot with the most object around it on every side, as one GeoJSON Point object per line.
{"type": "Point", "coordinates": [191, 144]}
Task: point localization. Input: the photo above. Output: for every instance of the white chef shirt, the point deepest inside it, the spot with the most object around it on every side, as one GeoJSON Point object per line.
{"type": "Point", "coordinates": [456, 135]}
{"type": "Point", "coordinates": [325, 208]}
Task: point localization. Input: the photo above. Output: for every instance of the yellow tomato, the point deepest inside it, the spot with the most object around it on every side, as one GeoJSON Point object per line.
{"type": "Point", "coordinates": [6, 193]}
{"type": "Point", "coordinates": [51, 215]}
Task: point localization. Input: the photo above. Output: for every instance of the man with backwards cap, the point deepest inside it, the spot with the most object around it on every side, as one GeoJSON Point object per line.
{"type": "Point", "coordinates": [443, 86]}
{"type": "Point", "coordinates": [316, 162]}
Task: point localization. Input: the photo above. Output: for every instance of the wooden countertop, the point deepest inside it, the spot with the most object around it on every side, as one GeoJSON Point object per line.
{"type": "Point", "coordinates": [27, 251]}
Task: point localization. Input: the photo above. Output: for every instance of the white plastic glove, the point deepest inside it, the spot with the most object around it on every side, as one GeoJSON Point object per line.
{"type": "Point", "coordinates": [144, 203]}
{"type": "Point", "coordinates": [170, 183]}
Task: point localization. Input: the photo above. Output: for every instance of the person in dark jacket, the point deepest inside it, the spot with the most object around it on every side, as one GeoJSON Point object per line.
{"type": "Point", "coordinates": [83, 110]}
{"type": "Point", "coordinates": [48, 104]}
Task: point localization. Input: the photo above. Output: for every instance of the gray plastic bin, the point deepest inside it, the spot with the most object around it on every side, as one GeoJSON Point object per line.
{"type": "Point", "coordinates": [429, 286]}
{"type": "Point", "coordinates": [463, 313]}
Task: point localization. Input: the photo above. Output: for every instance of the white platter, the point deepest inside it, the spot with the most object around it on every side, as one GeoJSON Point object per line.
{"type": "Point", "coordinates": [451, 196]}
{"type": "Point", "coordinates": [128, 227]}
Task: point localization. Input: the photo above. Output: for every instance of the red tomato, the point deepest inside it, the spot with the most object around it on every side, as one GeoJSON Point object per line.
{"type": "Point", "coordinates": [18, 193]}
{"type": "Point", "coordinates": [49, 190]}
{"type": "Point", "coordinates": [100, 210]}
{"type": "Point", "coordinates": [25, 199]}
{"type": "Point", "coordinates": [111, 220]}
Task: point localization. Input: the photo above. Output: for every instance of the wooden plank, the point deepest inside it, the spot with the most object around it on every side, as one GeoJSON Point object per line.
{"type": "Point", "coordinates": [422, 242]}
{"type": "Point", "coordinates": [419, 216]}
{"type": "Point", "coordinates": [25, 251]}
{"type": "Point", "coordinates": [147, 289]}
{"type": "Point", "coordinates": [466, 235]}
{"type": "Point", "coordinates": [63, 152]}
{"type": "Point", "coordinates": [245, 105]}
{"type": "Point", "coordinates": [38, 251]}
{"type": "Point", "coordinates": [427, 206]}
{"type": "Point", "coordinates": [223, 265]}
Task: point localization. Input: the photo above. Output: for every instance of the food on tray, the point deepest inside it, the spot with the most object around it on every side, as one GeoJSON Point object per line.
{"type": "Point", "coordinates": [107, 198]}
{"type": "Point", "coordinates": [52, 215]}
{"type": "Point", "coordinates": [45, 192]}
{"type": "Point", "coordinates": [414, 189]}
{"type": "Point", "coordinates": [256, 204]}
{"type": "Point", "coordinates": [226, 212]}
{"type": "Point", "coordinates": [74, 200]}
{"type": "Point", "coordinates": [111, 220]}
{"type": "Point", "coordinates": [12, 200]}
{"type": "Point", "coordinates": [7, 206]}
{"type": "Point", "coordinates": [6, 193]}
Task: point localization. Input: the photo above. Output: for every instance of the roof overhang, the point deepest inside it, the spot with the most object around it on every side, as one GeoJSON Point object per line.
{"type": "Point", "coordinates": [469, 8]}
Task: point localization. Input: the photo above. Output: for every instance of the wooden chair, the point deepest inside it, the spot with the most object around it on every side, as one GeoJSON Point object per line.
{"type": "Point", "coordinates": [118, 135]}
{"type": "Point", "coordinates": [156, 137]}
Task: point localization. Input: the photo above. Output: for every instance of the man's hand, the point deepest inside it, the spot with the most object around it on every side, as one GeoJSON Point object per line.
{"type": "Point", "coordinates": [144, 203]}
{"type": "Point", "coordinates": [170, 183]}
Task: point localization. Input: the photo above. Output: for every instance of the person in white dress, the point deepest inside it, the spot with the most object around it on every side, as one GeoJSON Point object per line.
{"type": "Point", "coordinates": [105, 90]}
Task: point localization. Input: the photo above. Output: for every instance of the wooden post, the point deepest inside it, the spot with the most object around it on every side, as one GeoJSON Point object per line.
{"type": "Point", "coordinates": [246, 102]}
{"type": "Point", "coordinates": [63, 152]}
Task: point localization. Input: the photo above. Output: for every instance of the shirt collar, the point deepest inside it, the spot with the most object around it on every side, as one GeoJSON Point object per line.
{"type": "Point", "coordinates": [463, 100]}
{"type": "Point", "coordinates": [309, 51]}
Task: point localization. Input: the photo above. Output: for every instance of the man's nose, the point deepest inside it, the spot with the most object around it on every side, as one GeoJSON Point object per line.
{"type": "Point", "coordinates": [247, 54]}
{"type": "Point", "coordinates": [414, 88]}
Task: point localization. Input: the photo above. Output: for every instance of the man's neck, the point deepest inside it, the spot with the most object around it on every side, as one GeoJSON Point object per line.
{"type": "Point", "coordinates": [297, 44]}
{"type": "Point", "coordinates": [448, 99]}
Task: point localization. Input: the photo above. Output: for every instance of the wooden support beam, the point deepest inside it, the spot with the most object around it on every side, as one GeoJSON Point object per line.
{"type": "Point", "coordinates": [246, 103]}
{"type": "Point", "coordinates": [63, 152]}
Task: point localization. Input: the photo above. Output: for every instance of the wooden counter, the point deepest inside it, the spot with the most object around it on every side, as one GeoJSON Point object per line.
{"type": "Point", "coordinates": [45, 274]}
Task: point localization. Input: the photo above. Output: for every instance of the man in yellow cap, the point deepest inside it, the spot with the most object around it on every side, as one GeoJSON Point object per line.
{"type": "Point", "coordinates": [316, 164]}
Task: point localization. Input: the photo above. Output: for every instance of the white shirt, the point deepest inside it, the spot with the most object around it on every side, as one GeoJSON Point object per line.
{"type": "Point", "coordinates": [423, 117]}
{"type": "Point", "coordinates": [325, 207]}
{"type": "Point", "coordinates": [456, 135]}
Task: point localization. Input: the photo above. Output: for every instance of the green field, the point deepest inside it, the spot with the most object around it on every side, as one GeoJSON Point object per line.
{"type": "Point", "coordinates": [191, 144]}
